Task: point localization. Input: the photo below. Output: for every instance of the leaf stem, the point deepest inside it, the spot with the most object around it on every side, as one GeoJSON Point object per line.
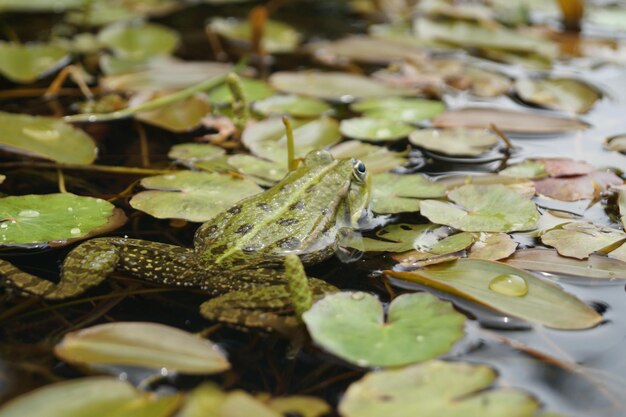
{"type": "Point", "coordinates": [291, 160]}
{"type": "Point", "coordinates": [97, 168]}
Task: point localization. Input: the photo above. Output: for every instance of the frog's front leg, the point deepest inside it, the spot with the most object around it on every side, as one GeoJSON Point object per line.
{"type": "Point", "coordinates": [266, 307]}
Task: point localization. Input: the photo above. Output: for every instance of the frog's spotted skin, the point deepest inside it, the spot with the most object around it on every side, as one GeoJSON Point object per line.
{"type": "Point", "coordinates": [236, 253]}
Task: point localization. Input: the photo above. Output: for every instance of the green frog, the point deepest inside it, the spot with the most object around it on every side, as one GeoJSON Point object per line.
{"type": "Point", "coordinates": [237, 255]}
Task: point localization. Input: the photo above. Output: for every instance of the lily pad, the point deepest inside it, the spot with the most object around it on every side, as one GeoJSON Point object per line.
{"type": "Point", "coordinates": [483, 208]}
{"type": "Point", "coordinates": [621, 204]}
{"type": "Point", "coordinates": [334, 86]}
{"type": "Point", "coordinates": [617, 143]}
{"type": "Point", "coordinates": [455, 142]}
{"type": "Point", "coordinates": [193, 152]}
{"type": "Point", "coordinates": [55, 219]}
{"type": "Point", "coordinates": [295, 106]}
{"type": "Point", "coordinates": [193, 196]}
{"type": "Point", "coordinates": [364, 49]}
{"type": "Point", "coordinates": [566, 94]}
{"type": "Point", "coordinates": [548, 260]}
{"type": "Point", "coordinates": [507, 120]}
{"type": "Point", "coordinates": [374, 130]}
{"type": "Point", "coordinates": [267, 138]}
{"type": "Point", "coordinates": [253, 90]}
{"type": "Point", "coordinates": [394, 193]}
{"type": "Point", "coordinates": [509, 290]}
{"type": "Point", "coordinates": [149, 345]}
{"type": "Point", "coordinates": [351, 325]}
{"type": "Point", "coordinates": [580, 239]}
{"type": "Point", "coordinates": [492, 247]}
{"type": "Point", "coordinates": [26, 63]}
{"type": "Point", "coordinates": [45, 137]}
{"type": "Point", "coordinates": [552, 167]}
{"type": "Point", "coordinates": [278, 37]}
{"type": "Point", "coordinates": [577, 187]}
{"type": "Point", "coordinates": [209, 400]}
{"type": "Point", "coordinates": [410, 110]}
{"type": "Point", "coordinates": [435, 389]}
{"type": "Point", "coordinates": [527, 169]}
{"type": "Point", "coordinates": [143, 40]}
{"type": "Point", "coordinates": [261, 171]}
{"type": "Point", "coordinates": [377, 159]}
{"type": "Point", "coordinates": [179, 117]}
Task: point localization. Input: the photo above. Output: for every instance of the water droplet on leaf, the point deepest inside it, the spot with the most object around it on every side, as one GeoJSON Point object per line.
{"type": "Point", "coordinates": [75, 231]}
{"type": "Point", "coordinates": [28, 213]}
{"type": "Point", "coordinates": [357, 295]}
{"type": "Point", "coordinates": [509, 284]}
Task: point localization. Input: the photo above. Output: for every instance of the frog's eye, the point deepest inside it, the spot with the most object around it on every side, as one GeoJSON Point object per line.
{"type": "Point", "coordinates": [359, 171]}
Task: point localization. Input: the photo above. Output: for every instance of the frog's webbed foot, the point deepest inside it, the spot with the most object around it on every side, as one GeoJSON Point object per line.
{"type": "Point", "coordinates": [267, 307]}
{"type": "Point", "coordinates": [85, 266]}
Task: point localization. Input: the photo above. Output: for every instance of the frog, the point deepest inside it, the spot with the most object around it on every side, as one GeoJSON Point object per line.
{"type": "Point", "coordinates": [237, 256]}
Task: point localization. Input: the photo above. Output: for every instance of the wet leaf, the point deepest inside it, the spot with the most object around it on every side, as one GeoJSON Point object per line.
{"type": "Point", "coordinates": [566, 94]}
{"type": "Point", "coordinates": [455, 142]}
{"type": "Point", "coordinates": [483, 208]}
{"type": "Point", "coordinates": [364, 49]}
{"type": "Point", "coordinates": [410, 110]}
{"type": "Point", "coordinates": [267, 138]}
{"type": "Point", "coordinates": [278, 37]}
{"type": "Point", "coordinates": [492, 247]}
{"type": "Point", "coordinates": [55, 219]}
{"type": "Point", "coordinates": [352, 326]}
{"type": "Point", "coordinates": [292, 105]}
{"type": "Point", "coordinates": [194, 152]}
{"type": "Point", "coordinates": [578, 187]}
{"type": "Point", "coordinates": [143, 40]}
{"type": "Point", "coordinates": [401, 237]}
{"type": "Point", "coordinates": [209, 400]}
{"type": "Point", "coordinates": [552, 167]}
{"type": "Point", "coordinates": [179, 117]}
{"type": "Point", "coordinates": [374, 130]}
{"type": "Point", "coordinates": [193, 196]}
{"type": "Point", "coordinates": [253, 90]}
{"type": "Point", "coordinates": [434, 389]}
{"type": "Point", "coordinates": [87, 397]}
{"type": "Point", "coordinates": [548, 260]}
{"type": "Point", "coordinates": [45, 137]}
{"type": "Point", "coordinates": [377, 159]}
{"type": "Point", "coordinates": [580, 239]}
{"type": "Point", "coordinates": [394, 193]}
{"type": "Point", "coordinates": [507, 120]}
{"type": "Point", "coordinates": [149, 345]}
{"type": "Point", "coordinates": [516, 292]}
{"type": "Point", "coordinates": [334, 86]}
{"type": "Point", "coordinates": [26, 63]}
{"type": "Point", "coordinates": [527, 169]}
{"type": "Point", "coordinates": [261, 171]}
{"type": "Point", "coordinates": [300, 405]}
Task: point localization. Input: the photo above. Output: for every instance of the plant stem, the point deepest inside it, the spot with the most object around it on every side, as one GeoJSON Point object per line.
{"type": "Point", "coordinates": [96, 168]}
{"type": "Point", "coordinates": [291, 160]}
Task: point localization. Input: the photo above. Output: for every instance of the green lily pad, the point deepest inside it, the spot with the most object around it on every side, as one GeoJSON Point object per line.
{"type": "Point", "coordinates": [580, 239]}
{"type": "Point", "coordinates": [261, 171]}
{"type": "Point", "coordinates": [210, 400]}
{"type": "Point", "coordinates": [374, 130]}
{"type": "Point", "coordinates": [86, 397]}
{"type": "Point", "coordinates": [55, 219]}
{"type": "Point", "coordinates": [26, 63]}
{"type": "Point", "coordinates": [394, 193]}
{"type": "Point", "coordinates": [193, 196]}
{"type": "Point", "coordinates": [267, 138]}
{"type": "Point", "coordinates": [334, 86]}
{"type": "Point", "coordinates": [253, 90]}
{"type": "Point", "coordinates": [410, 110]}
{"type": "Point", "coordinates": [278, 37]}
{"type": "Point", "coordinates": [193, 152]}
{"type": "Point", "coordinates": [300, 405]}
{"type": "Point", "coordinates": [527, 169]}
{"type": "Point", "coordinates": [566, 94]}
{"type": "Point", "coordinates": [483, 208]}
{"type": "Point", "coordinates": [45, 137]}
{"type": "Point", "coordinates": [143, 40]}
{"type": "Point", "coordinates": [182, 116]}
{"type": "Point", "coordinates": [492, 246]}
{"type": "Point", "coordinates": [549, 260]}
{"type": "Point", "coordinates": [509, 290]}
{"type": "Point", "coordinates": [40, 5]}
{"type": "Point", "coordinates": [435, 389]}
{"type": "Point", "coordinates": [455, 142]}
{"type": "Point", "coordinates": [351, 325]}
{"type": "Point", "coordinates": [377, 159]}
{"type": "Point", "coordinates": [293, 105]}
{"type": "Point", "coordinates": [149, 345]}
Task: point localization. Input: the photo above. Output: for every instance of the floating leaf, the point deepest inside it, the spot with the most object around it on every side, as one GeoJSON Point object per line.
{"type": "Point", "coordinates": [434, 389]}
{"type": "Point", "coordinates": [621, 204]}
{"type": "Point", "coordinates": [410, 110]}
{"type": "Point", "coordinates": [179, 117]}
{"type": "Point", "coordinates": [55, 219]}
{"type": "Point", "coordinates": [507, 120]}
{"type": "Point", "coordinates": [334, 86]}
{"type": "Point", "coordinates": [351, 325]}
{"type": "Point", "coordinates": [492, 246]}
{"type": "Point", "coordinates": [394, 193]}
{"type": "Point", "coordinates": [193, 152]}
{"type": "Point", "coordinates": [300, 405]}
{"type": "Point", "coordinates": [552, 167]}
{"type": "Point", "coordinates": [580, 239]}
{"type": "Point", "coordinates": [455, 142]}
{"type": "Point", "coordinates": [193, 196]}
{"type": "Point", "coordinates": [86, 397]}
{"type": "Point", "coordinates": [566, 94]}
{"type": "Point", "coordinates": [278, 37]}
{"type": "Point", "coordinates": [209, 400]}
{"type": "Point", "coordinates": [401, 237]}
{"type": "Point", "coordinates": [149, 345]}
{"type": "Point", "coordinates": [616, 143]}
{"type": "Point", "coordinates": [263, 172]}
{"type": "Point", "coordinates": [374, 130]}
{"type": "Point", "coordinates": [139, 40]}
{"type": "Point", "coordinates": [483, 208]}
{"type": "Point", "coordinates": [253, 90]}
{"type": "Point", "coordinates": [578, 187]}
{"type": "Point", "coordinates": [377, 159]}
{"type": "Point", "coordinates": [45, 137]}
{"type": "Point", "coordinates": [26, 63]}
{"type": "Point", "coordinates": [295, 106]}
{"type": "Point", "coordinates": [364, 49]}
{"type": "Point", "coordinates": [267, 138]}
{"type": "Point", "coordinates": [527, 169]}
{"type": "Point", "coordinates": [548, 260]}
{"type": "Point", "coordinates": [509, 290]}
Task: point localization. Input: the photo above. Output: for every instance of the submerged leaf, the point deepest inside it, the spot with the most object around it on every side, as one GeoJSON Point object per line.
{"type": "Point", "coordinates": [509, 290]}
{"type": "Point", "coordinates": [434, 389]}
{"type": "Point", "coordinates": [351, 326]}
{"type": "Point", "coordinates": [566, 94]}
{"type": "Point", "coordinates": [26, 63]}
{"type": "Point", "coordinates": [150, 345]}
{"type": "Point", "coordinates": [394, 193]}
{"type": "Point", "coordinates": [455, 142]}
{"type": "Point", "coordinates": [374, 130]}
